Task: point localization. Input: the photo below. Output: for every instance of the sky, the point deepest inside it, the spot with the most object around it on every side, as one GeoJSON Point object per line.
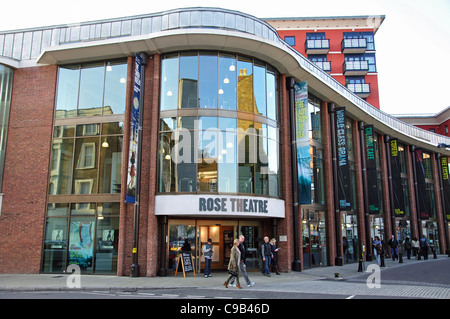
{"type": "Point", "coordinates": [412, 45]}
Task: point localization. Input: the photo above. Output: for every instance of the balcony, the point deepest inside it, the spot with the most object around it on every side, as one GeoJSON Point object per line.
{"type": "Point", "coordinates": [353, 46]}
{"type": "Point", "coordinates": [355, 67]}
{"type": "Point", "coordinates": [360, 89]}
{"type": "Point", "coordinates": [317, 46]}
{"type": "Point", "coordinates": [324, 65]}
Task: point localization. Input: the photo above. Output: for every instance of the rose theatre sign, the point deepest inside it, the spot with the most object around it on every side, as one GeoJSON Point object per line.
{"type": "Point", "coordinates": [219, 205]}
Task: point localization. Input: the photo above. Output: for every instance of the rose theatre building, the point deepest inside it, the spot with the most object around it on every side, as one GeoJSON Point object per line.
{"type": "Point", "coordinates": [124, 138]}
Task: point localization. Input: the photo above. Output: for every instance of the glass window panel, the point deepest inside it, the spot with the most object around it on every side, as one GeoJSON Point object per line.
{"type": "Point", "coordinates": [246, 160]}
{"type": "Point", "coordinates": [81, 242]}
{"type": "Point", "coordinates": [227, 124]}
{"type": "Point", "coordinates": [245, 85]}
{"type": "Point", "coordinates": [261, 167]}
{"type": "Point", "coordinates": [227, 163]}
{"type": "Point", "coordinates": [88, 129]}
{"type": "Point", "coordinates": [207, 122]}
{"type": "Point", "coordinates": [115, 88]}
{"type": "Point", "coordinates": [67, 91]}
{"type": "Point", "coordinates": [169, 82]}
{"type": "Point", "coordinates": [112, 128]}
{"type": "Point", "coordinates": [64, 131]}
{"type": "Point", "coordinates": [178, 234]}
{"type": "Point", "coordinates": [166, 163]}
{"type": "Point", "coordinates": [55, 245]}
{"type": "Point", "coordinates": [246, 126]}
{"type": "Point", "coordinates": [58, 209]}
{"type": "Point", "coordinates": [208, 81]}
{"type": "Point", "coordinates": [187, 122]}
{"type": "Point", "coordinates": [274, 167]}
{"type": "Point", "coordinates": [91, 89]}
{"type": "Point", "coordinates": [186, 167]}
{"type": "Point", "coordinates": [227, 82]}
{"type": "Point", "coordinates": [271, 94]}
{"type": "Point", "coordinates": [110, 165]}
{"type": "Point", "coordinates": [61, 167]}
{"type": "Point", "coordinates": [259, 83]}
{"type": "Point", "coordinates": [85, 166]}
{"type": "Point", "coordinates": [188, 80]}
{"type": "Point", "coordinates": [108, 209]}
{"type": "Point", "coordinates": [82, 209]}
{"type": "Point", "coordinates": [168, 124]}
{"type": "Point", "coordinates": [107, 243]}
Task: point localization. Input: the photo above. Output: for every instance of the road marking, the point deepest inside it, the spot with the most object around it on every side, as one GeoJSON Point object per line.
{"type": "Point", "coordinates": [350, 297]}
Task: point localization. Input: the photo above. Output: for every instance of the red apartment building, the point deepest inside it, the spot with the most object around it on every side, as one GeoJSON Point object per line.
{"type": "Point", "coordinates": [438, 123]}
{"type": "Point", "coordinates": [343, 47]}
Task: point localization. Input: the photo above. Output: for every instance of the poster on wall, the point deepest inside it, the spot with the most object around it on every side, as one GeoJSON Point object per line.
{"type": "Point", "coordinates": [371, 169]}
{"type": "Point", "coordinates": [133, 155]}
{"type": "Point", "coordinates": [81, 243]}
{"type": "Point", "coordinates": [399, 199]}
{"type": "Point", "coordinates": [302, 141]}
{"type": "Point", "coordinates": [343, 166]}
{"type": "Point", "coordinates": [445, 186]}
{"type": "Point", "coordinates": [421, 186]}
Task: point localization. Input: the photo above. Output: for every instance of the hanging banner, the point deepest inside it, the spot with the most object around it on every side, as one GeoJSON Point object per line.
{"type": "Point", "coordinates": [133, 155]}
{"type": "Point", "coordinates": [343, 166]}
{"type": "Point", "coordinates": [302, 141]}
{"type": "Point", "coordinates": [445, 186]}
{"type": "Point", "coordinates": [371, 169]}
{"type": "Point", "coordinates": [397, 191]}
{"type": "Point", "coordinates": [421, 186]}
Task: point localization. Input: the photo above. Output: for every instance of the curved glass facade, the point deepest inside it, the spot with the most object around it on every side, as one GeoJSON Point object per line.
{"type": "Point", "coordinates": [219, 130]}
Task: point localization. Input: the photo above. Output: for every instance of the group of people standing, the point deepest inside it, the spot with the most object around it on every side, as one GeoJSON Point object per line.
{"type": "Point", "coordinates": [415, 246]}
{"type": "Point", "coordinates": [237, 267]}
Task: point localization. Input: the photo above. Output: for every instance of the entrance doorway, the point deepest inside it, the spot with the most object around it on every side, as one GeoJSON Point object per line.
{"type": "Point", "coordinates": [222, 233]}
{"type": "Point", "coordinates": [314, 240]}
{"type": "Point", "coordinates": [350, 237]}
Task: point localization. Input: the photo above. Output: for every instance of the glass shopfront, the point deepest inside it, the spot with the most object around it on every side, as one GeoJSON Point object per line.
{"type": "Point", "coordinates": [314, 239]}
{"type": "Point", "coordinates": [84, 234]}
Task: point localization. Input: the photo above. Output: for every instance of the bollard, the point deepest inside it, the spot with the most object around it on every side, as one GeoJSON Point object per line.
{"type": "Point", "coordinates": [400, 259]}
{"type": "Point", "coordinates": [382, 261]}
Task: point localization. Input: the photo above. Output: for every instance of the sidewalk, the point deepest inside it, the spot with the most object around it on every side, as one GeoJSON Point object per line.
{"type": "Point", "coordinates": [58, 282]}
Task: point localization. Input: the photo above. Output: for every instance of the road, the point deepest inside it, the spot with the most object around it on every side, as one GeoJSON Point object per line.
{"type": "Point", "coordinates": [415, 280]}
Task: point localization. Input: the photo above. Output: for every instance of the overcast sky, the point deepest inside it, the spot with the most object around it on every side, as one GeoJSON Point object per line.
{"type": "Point", "coordinates": [413, 43]}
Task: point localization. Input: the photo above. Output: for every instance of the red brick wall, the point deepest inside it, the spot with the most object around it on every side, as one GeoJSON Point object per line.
{"type": "Point", "coordinates": [25, 179]}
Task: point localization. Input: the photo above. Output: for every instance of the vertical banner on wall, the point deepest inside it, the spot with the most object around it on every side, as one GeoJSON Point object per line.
{"type": "Point", "coordinates": [445, 186]}
{"type": "Point", "coordinates": [343, 166]}
{"type": "Point", "coordinates": [302, 141]}
{"type": "Point", "coordinates": [421, 186]}
{"type": "Point", "coordinates": [371, 169]}
{"type": "Point", "coordinates": [397, 191]}
{"type": "Point", "coordinates": [133, 155]}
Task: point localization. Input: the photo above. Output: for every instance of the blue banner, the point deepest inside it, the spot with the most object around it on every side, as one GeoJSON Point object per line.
{"type": "Point", "coordinates": [133, 154]}
{"type": "Point", "coordinates": [302, 141]}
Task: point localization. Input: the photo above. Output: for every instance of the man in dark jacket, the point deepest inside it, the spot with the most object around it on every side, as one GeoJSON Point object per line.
{"type": "Point", "coordinates": [394, 244]}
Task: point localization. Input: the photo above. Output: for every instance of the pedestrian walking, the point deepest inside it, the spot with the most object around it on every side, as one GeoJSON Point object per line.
{"type": "Point", "coordinates": [266, 254]}
{"type": "Point", "coordinates": [208, 251]}
{"type": "Point", "coordinates": [274, 250]}
{"type": "Point", "coordinates": [377, 248]}
{"type": "Point", "coordinates": [415, 247]}
{"type": "Point", "coordinates": [424, 247]}
{"type": "Point", "coordinates": [408, 246]}
{"type": "Point", "coordinates": [394, 244]}
{"type": "Point", "coordinates": [233, 265]}
{"type": "Point", "coordinates": [242, 265]}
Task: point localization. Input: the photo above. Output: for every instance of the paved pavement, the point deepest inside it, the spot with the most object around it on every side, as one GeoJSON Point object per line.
{"type": "Point", "coordinates": [349, 280]}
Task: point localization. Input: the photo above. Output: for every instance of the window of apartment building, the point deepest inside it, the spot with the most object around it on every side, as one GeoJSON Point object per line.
{"type": "Point", "coordinates": [369, 57]}
{"type": "Point", "coordinates": [290, 40]}
{"type": "Point", "coordinates": [369, 36]}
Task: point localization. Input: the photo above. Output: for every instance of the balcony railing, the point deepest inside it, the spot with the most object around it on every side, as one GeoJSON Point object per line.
{"type": "Point", "coordinates": [355, 67]}
{"type": "Point", "coordinates": [360, 89]}
{"type": "Point", "coordinates": [354, 45]}
{"type": "Point", "coordinates": [324, 65]}
{"type": "Point", "coordinates": [317, 46]}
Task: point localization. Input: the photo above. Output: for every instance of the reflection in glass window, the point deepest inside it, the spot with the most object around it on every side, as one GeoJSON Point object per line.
{"type": "Point", "coordinates": [55, 245]}
{"type": "Point", "coordinates": [259, 82]}
{"type": "Point", "coordinates": [227, 82]}
{"type": "Point", "coordinates": [61, 167]}
{"type": "Point", "coordinates": [91, 89]}
{"type": "Point", "coordinates": [208, 81]}
{"type": "Point", "coordinates": [110, 165]}
{"type": "Point", "coordinates": [188, 80]}
{"type": "Point", "coordinates": [169, 82]}
{"type": "Point", "coordinates": [245, 85]}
